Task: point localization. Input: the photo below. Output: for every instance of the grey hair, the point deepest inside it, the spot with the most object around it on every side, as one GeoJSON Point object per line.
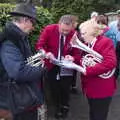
{"type": "Point", "coordinates": [66, 19]}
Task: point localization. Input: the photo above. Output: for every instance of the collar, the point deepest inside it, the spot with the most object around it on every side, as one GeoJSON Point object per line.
{"type": "Point", "coordinates": [12, 32]}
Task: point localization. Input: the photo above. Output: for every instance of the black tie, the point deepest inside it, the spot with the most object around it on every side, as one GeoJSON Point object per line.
{"type": "Point", "coordinates": [61, 51]}
{"type": "Point", "coordinates": [61, 45]}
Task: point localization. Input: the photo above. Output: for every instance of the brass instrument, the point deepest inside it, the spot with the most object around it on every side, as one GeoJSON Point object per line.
{"type": "Point", "coordinates": [75, 42]}
{"type": "Point", "coordinates": [90, 59]}
{"type": "Point", "coordinates": [36, 59]}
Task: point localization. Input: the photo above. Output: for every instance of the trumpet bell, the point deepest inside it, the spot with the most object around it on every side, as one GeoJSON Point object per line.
{"type": "Point", "coordinates": [75, 42]}
{"type": "Point", "coordinates": [36, 59]}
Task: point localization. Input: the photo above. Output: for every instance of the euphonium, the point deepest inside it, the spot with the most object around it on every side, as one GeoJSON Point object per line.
{"type": "Point", "coordinates": [90, 59]}
{"type": "Point", "coordinates": [36, 59]}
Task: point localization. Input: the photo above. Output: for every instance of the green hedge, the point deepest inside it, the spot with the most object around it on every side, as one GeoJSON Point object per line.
{"type": "Point", "coordinates": [82, 8]}
{"type": "Point", "coordinates": [43, 15]}
{"type": "Point", "coordinates": [4, 10]}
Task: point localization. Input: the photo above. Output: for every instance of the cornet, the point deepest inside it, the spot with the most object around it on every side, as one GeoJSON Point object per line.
{"type": "Point", "coordinates": [37, 59]}
{"type": "Point", "coordinates": [90, 58]}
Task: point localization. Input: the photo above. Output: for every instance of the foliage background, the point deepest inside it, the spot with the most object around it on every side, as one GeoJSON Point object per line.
{"type": "Point", "coordinates": [82, 8]}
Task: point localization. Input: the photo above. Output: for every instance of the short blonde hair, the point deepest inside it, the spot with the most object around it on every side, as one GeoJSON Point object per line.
{"type": "Point", "coordinates": [92, 26]}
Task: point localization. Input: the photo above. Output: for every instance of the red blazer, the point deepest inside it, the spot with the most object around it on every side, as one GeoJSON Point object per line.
{"type": "Point", "coordinates": [93, 85]}
{"type": "Point", "coordinates": [49, 41]}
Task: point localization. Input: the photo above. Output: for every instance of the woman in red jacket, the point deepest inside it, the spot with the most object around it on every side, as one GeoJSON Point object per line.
{"type": "Point", "coordinates": [98, 80]}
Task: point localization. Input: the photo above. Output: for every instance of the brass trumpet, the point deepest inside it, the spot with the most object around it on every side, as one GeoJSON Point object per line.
{"type": "Point", "coordinates": [36, 59]}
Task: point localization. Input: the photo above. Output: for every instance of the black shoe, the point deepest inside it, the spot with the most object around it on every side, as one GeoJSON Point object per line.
{"type": "Point", "coordinates": [64, 110]}
{"type": "Point", "coordinates": [58, 113]}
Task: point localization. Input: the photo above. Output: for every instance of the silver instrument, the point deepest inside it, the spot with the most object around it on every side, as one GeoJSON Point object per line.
{"type": "Point", "coordinates": [36, 59]}
{"type": "Point", "coordinates": [90, 59]}
{"type": "Point", "coordinates": [75, 42]}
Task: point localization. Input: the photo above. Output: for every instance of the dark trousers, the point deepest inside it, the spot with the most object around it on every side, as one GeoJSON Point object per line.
{"type": "Point", "coordinates": [74, 79]}
{"type": "Point", "coordinates": [98, 108]}
{"type": "Point", "coordinates": [27, 115]}
{"type": "Point", "coordinates": [60, 89]}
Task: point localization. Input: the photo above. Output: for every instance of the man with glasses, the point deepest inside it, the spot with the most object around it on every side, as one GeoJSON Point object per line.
{"type": "Point", "coordinates": [14, 52]}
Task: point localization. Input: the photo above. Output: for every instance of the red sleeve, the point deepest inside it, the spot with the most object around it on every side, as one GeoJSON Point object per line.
{"type": "Point", "coordinates": [108, 63]}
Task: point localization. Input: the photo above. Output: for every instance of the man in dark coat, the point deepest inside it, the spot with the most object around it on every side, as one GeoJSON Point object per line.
{"type": "Point", "coordinates": [14, 52]}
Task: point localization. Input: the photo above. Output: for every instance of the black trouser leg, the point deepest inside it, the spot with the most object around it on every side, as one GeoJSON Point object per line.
{"type": "Point", "coordinates": [54, 86]}
{"type": "Point", "coordinates": [74, 79]}
{"type": "Point", "coordinates": [98, 108]}
{"type": "Point", "coordinates": [55, 90]}
{"type": "Point", "coordinates": [61, 90]}
{"type": "Point", "coordinates": [65, 84]}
